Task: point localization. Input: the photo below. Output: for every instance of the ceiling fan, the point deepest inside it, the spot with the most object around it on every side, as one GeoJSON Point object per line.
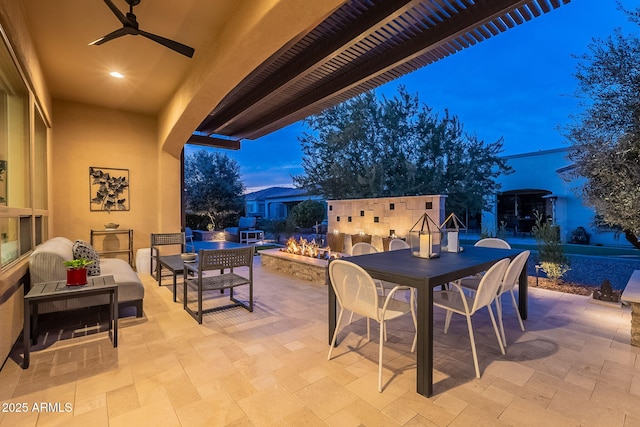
{"type": "Point", "coordinates": [130, 27]}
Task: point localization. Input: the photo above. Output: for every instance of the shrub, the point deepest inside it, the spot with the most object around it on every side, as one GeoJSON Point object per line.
{"type": "Point", "coordinates": [307, 213]}
{"type": "Point", "coordinates": [579, 236]}
{"type": "Point", "coordinates": [552, 258]}
{"type": "Point", "coordinates": [276, 227]}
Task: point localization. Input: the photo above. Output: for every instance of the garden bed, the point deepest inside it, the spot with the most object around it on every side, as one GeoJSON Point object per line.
{"type": "Point", "coordinates": [562, 286]}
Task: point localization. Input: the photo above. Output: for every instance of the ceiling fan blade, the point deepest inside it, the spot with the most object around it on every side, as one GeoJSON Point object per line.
{"type": "Point", "coordinates": [171, 44]}
{"type": "Point", "coordinates": [113, 35]}
{"type": "Point", "coordinates": [119, 15]}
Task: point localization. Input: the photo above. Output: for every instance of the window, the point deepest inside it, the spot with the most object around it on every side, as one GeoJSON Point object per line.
{"type": "Point", "coordinates": [23, 150]}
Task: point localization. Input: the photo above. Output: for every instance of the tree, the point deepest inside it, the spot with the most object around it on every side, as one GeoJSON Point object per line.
{"type": "Point", "coordinates": [605, 137]}
{"type": "Point", "coordinates": [308, 213]}
{"type": "Point", "coordinates": [366, 147]}
{"type": "Point", "coordinates": [213, 187]}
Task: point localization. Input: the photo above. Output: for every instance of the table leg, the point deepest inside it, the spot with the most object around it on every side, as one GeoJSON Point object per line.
{"type": "Point", "coordinates": [175, 285]}
{"type": "Point", "coordinates": [35, 327]}
{"type": "Point", "coordinates": [523, 294]}
{"type": "Point", "coordinates": [424, 352]}
{"type": "Point", "coordinates": [115, 315]}
{"type": "Point", "coordinates": [26, 335]}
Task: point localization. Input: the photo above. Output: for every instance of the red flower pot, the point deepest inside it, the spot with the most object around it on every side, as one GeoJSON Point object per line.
{"type": "Point", "coordinates": [76, 277]}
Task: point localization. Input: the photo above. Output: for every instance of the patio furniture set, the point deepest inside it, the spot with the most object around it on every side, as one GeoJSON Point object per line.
{"type": "Point", "coordinates": [366, 283]}
{"type": "Point", "coordinates": [424, 276]}
{"type": "Point", "coordinates": [211, 269]}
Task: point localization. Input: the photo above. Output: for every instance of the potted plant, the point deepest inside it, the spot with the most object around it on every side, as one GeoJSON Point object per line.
{"type": "Point", "coordinates": [77, 271]}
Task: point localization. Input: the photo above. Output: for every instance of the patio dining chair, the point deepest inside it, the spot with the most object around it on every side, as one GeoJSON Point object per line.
{"type": "Point", "coordinates": [217, 270]}
{"type": "Point", "coordinates": [188, 235]}
{"type": "Point", "coordinates": [509, 281]}
{"type": "Point", "coordinates": [363, 248]}
{"type": "Point", "coordinates": [397, 244]}
{"type": "Point", "coordinates": [356, 291]}
{"type": "Point", "coordinates": [493, 242]}
{"type": "Point", "coordinates": [164, 239]}
{"type": "Point", "coordinates": [456, 301]}
{"type": "Point", "coordinates": [489, 242]}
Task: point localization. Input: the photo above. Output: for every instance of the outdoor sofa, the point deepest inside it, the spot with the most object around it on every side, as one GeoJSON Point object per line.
{"type": "Point", "coordinates": [46, 265]}
{"type": "Point", "coordinates": [232, 234]}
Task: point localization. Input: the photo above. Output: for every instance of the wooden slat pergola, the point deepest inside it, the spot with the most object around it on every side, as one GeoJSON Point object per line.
{"type": "Point", "coordinates": [362, 45]}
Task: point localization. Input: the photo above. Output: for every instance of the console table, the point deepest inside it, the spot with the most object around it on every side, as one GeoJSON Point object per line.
{"type": "Point", "coordinates": [121, 250]}
{"type": "Point", "coordinates": [56, 291]}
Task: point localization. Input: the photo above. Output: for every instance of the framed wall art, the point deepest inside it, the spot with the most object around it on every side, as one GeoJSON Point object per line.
{"type": "Point", "coordinates": [108, 189]}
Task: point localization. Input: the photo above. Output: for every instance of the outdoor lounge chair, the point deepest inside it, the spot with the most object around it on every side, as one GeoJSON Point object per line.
{"type": "Point", "coordinates": [232, 234]}
{"type": "Point", "coordinates": [201, 277]}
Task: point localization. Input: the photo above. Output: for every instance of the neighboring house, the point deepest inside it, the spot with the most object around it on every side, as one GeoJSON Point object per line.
{"type": "Point", "coordinates": [275, 202]}
{"type": "Point", "coordinates": [542, 182]}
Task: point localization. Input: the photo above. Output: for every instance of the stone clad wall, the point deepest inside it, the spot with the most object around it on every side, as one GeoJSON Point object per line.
{"type": "Point", "coordinates": [305, 268]}
{"type": "Point", "coordinates": [383, 216]}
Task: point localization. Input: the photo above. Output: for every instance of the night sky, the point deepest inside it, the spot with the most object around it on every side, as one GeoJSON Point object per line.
{"type": "Point", "coordinates": [518, 85]}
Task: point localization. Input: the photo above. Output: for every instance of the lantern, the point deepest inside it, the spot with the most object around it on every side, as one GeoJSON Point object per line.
{"type": "Point", "coordinates": [451, 233]}
{"type": "Point", "coordinates": [425, 238]}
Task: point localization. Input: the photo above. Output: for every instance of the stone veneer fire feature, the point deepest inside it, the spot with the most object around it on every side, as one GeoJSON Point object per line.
{"type": "Point", "coordinates": [300, 266]}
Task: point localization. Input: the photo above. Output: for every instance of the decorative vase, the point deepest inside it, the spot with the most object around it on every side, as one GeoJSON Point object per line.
{"type": "Point", "coordinates": [76, 277]}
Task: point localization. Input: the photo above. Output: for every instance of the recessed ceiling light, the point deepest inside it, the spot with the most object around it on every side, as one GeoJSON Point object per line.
{"type": "Point", "coordinates": [116, 75]}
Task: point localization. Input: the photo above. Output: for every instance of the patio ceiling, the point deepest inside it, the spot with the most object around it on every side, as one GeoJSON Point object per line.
{"type": "Point", "coordinates": [362, 45]}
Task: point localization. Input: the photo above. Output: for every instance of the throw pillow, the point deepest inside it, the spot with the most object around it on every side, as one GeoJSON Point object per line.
{"type": "Point", "coordinates": [82, 249]}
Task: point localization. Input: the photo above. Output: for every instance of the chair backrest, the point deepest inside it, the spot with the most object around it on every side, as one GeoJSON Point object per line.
{"type": "Point", "coordinates": [355, 289]}
{"type": "Point", "coordinates": [396, 244]}
{"type": "Point", "coordinates": [363, 248]}
{"type": "Point", "coordinates": [163, 239]}
{"type": "Point", "coordinates": [512, 274]}
{"type": "Point", "coordinates": [493, 242]}
{"type": "Point", "coordinates": [188, 232]}
{"type": "Point", "coordinates": [220, 259]}
{"type": "Point", "coordinates": [489, 284]}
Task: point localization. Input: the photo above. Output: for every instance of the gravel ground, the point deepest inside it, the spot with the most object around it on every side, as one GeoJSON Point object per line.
{"type": "Point", "coordinates": [592, 270]}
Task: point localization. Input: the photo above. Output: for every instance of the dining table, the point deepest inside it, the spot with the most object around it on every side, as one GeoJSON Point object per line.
{"type": "Point", "coordinates": [424, 275]}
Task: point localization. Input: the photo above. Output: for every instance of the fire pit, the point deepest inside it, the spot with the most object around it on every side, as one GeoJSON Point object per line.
{"type": "Point", "coordinates": [302, 259]}
{"type": "Point", "coordinates": [307, 248]}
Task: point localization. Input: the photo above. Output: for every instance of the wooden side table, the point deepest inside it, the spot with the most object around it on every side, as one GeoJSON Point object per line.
{"type": "Point", "coordinates": [126, 251]}
{"type": "Point", "coordinates": [57, 291]}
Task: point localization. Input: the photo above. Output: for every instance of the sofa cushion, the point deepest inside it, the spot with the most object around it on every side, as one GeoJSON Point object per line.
{"type": "Point", "coordinates": [82, 249]}
{"type": "Point", "coordinates": [245, 223]}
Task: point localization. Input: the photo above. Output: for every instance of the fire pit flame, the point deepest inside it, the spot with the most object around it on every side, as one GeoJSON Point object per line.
{"type": "Point", "coordinates": [310, 249]}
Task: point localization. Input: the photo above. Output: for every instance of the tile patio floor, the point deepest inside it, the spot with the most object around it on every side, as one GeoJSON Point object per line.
{"type": "Point", "coordinates": [572, 367]}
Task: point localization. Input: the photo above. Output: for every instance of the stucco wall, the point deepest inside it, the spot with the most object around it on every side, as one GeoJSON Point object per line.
{"type": "Point", "coordinates": [85, 136]}
{"type": "Point", "coordinates": [546, 170]}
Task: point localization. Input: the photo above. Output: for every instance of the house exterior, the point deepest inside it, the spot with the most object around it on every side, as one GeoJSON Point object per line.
{"type": "Point", "coordinates": [275, 202]}
{"type": "Point", "coordinates": [542, 182]}
{"type": "Point", "coordinates": [63, 114]}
